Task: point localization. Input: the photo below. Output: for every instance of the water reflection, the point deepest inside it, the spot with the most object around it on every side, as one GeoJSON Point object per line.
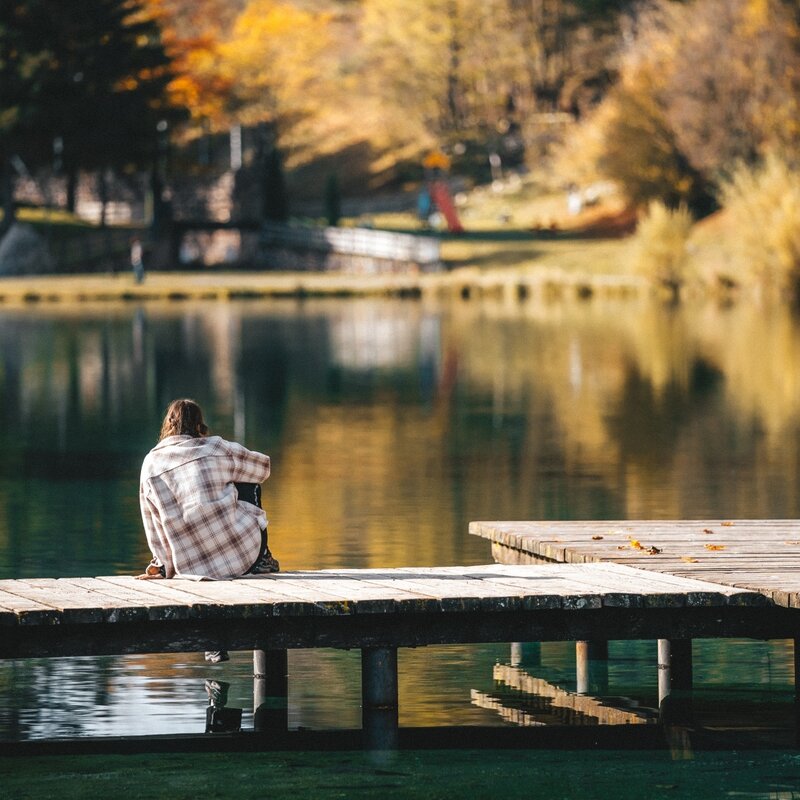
{"type": "Point", "coordinates": [391, 425]}
{"type": "Point", "coordinates": [740, 686]}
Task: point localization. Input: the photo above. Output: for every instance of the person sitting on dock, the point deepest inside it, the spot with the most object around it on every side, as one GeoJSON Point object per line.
{"type": "Point", "coordinates": [200, 502]}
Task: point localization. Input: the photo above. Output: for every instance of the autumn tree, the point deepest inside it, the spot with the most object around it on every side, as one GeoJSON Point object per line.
{"type": "Point", "coordinates": [732, 90]}
{"type": "Point", "coordinates": [478, 66]}
{"type": "Point", "coordinates": [703, 85]}
{"type": "Point", "coordinates": [193, 35]}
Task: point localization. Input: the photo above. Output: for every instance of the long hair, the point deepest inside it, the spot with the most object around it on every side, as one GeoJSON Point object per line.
{"type": "Point", "coordinates": [183, 417]}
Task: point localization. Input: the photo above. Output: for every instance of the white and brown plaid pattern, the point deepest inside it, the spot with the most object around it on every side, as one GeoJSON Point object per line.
{"type": "Point", "coordinates": [195, 524]}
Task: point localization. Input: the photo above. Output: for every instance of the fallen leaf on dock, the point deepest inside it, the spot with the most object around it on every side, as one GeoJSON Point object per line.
{"type": "Point", "coordinates": [597, 538]}
{"type": "Point", "coordinates": [793, 542]}
{"type": "Point", "coordinates": [714, 546]}
{"type": "Point", "coordinates": [689, 559]}
{"type": "Point", "coordinates": [727, 524]}
{"type": "Point", "coordinates": [707, 530]}
{"type": "Point", "coordinates": [651, 550]}
{"type": "Point", "coordinates": [622, 547]}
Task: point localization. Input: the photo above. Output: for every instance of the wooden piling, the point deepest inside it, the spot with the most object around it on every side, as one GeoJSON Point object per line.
{"type": "Point", "coordinates": [379, 714]}
{"type": "Point", "coordinates": [270, 690]}
{"type": "Point", "coordinates": [591, 667]}
{"type": "Point", "coordinates": [674, 666]}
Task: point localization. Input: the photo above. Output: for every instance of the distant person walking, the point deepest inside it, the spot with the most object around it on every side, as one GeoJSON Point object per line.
{"type": "Point", "coordinates": [200, 499]}
{"type": "Point", "coordinates": [137, 259]}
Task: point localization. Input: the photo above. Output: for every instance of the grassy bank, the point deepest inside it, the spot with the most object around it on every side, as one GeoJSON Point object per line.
{"type": "Point", "coordinates": [520, 241]}
{"type": "Point", "coordinates": [519, 281]}
{"type": "Point", "coordinates": [428, 775]}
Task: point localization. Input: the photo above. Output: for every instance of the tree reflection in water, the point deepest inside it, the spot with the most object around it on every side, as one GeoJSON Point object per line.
{"type": "Point", "coordinates": [391, 425]}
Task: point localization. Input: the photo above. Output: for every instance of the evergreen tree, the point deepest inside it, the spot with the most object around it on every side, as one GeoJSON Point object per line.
{"type": "Point", "coordinates": [93, 74]}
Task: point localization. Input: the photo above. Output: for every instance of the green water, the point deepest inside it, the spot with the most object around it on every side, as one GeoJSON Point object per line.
{"type": "Point", "coordinates": [391, 425]}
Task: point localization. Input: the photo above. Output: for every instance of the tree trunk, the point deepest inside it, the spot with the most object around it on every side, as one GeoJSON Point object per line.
{"type": "Point", "coordinates": [72, 190]}
{"type": "Point", "coordinates": [102, 191]}
{"type": "Point", "coordinates": [454, 95]}
{"type": "Point", "coordinates": [7, 193]}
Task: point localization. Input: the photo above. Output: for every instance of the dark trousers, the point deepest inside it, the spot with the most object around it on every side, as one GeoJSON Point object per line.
{"type": "Point", "coordinates": [251, 493]}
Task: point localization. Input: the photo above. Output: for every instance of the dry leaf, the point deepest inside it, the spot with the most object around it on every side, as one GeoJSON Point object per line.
{"type": "Point", "coordinates": [622, 547]}
{"type": "Point", "coordinates": [792, 542]}
{"type": "Point", "coordinates": [597, 538]}
{"type": "Point", "coordinates": [714, 546]}
{"type": "Point", "coordinates": [689, 559]}
{"type": "Point", "coordinates": [707, 530]}
{"type": "Point", "coordinates": [651, 550]}
{"type": "Point", "coordinates": [727, 524]}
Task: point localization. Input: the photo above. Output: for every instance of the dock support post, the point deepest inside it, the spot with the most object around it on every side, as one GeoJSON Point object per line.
{"type": "Point", "coordinates": [527, 654]}
{"type": "Point", "coordinates": [674, 693]}
{"type": "Point", "coordinates": [675, 680]}
{"type": "Point", "coordinates": [674, 666]}
{"type": "Point", "coordinates": [270, 690]}
{"type": "Point", "coordinates": [379, 714]}
{"type": "Point", "coordinates": [591, 667]}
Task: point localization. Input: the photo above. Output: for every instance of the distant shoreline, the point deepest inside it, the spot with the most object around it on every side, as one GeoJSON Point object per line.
{"type": "Point", "coordinates": [463, 283]}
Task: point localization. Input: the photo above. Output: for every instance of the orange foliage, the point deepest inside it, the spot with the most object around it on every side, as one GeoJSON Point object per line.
{"type": "Point", "coordinates": [242, 62]}
{"type": "Point", "coordinates": [192, 34]}
{"type": "Point", "coordinates": [276, 53]}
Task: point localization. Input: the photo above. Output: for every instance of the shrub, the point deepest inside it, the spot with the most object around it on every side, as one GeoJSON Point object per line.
{"type": "Point", "coordinates": [660, 245]}
{"type": "Point", "coordinates": [763, 204]}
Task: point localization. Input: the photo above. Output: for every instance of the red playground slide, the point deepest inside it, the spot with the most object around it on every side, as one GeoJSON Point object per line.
{"type": "Point", "coordinates": [440, 195]}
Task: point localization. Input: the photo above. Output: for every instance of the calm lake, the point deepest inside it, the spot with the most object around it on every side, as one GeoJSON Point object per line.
{"type": "Point", "coordinates": [391, 425]}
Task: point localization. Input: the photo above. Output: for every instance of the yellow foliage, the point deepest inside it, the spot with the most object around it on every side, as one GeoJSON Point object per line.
{"type": "Point", "coordinates": [660, 245]}
{"type": "Point", "coordinates": [763, 203]}
{"type": "Point", "coordinates": [275, 56]}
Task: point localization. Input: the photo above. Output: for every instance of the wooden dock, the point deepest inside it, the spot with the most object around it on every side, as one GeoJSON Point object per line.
{"type": "Point", "coordinates": [362, 608]}
{"type": "Point", "coordinates": [757, 555]}
{"type": "Point", "coordinates": [379, 611]}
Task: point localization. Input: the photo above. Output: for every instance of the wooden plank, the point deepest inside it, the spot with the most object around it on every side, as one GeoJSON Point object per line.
{"type": "Point", "coordinates": [736, 553]}
{"type": "Point", "coordinates": [132, 597]}
{"type": "Point", "coordinates": [623, 585]}
{"type": "Point", "coordinates": [426, 593]}
{"type": "Point", "coordinates": [698, 592]}
{"type": "Point", "coordinates": [365, 597]}
{"type": "Point", "coordinates": [443, 585]}
{"type": "Point", "coordinates": [611, 590]}
{"type": "Point", "coordinates": [27, 611]}
{"type": "Point", "coordinates": [76, 604]}
{"type": "Point", "coordinates": [442, 592]}
{"type": "Point", "coordinates": [551, 584]}
{"type": "Point", "coordinates": [169, 590]}
{"type": "Point", "coordinates": [201, 599]}
{"type": "Point", "coordinates": [322, 599]}
{"type": "Point", "coordinates": [295, 597]}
